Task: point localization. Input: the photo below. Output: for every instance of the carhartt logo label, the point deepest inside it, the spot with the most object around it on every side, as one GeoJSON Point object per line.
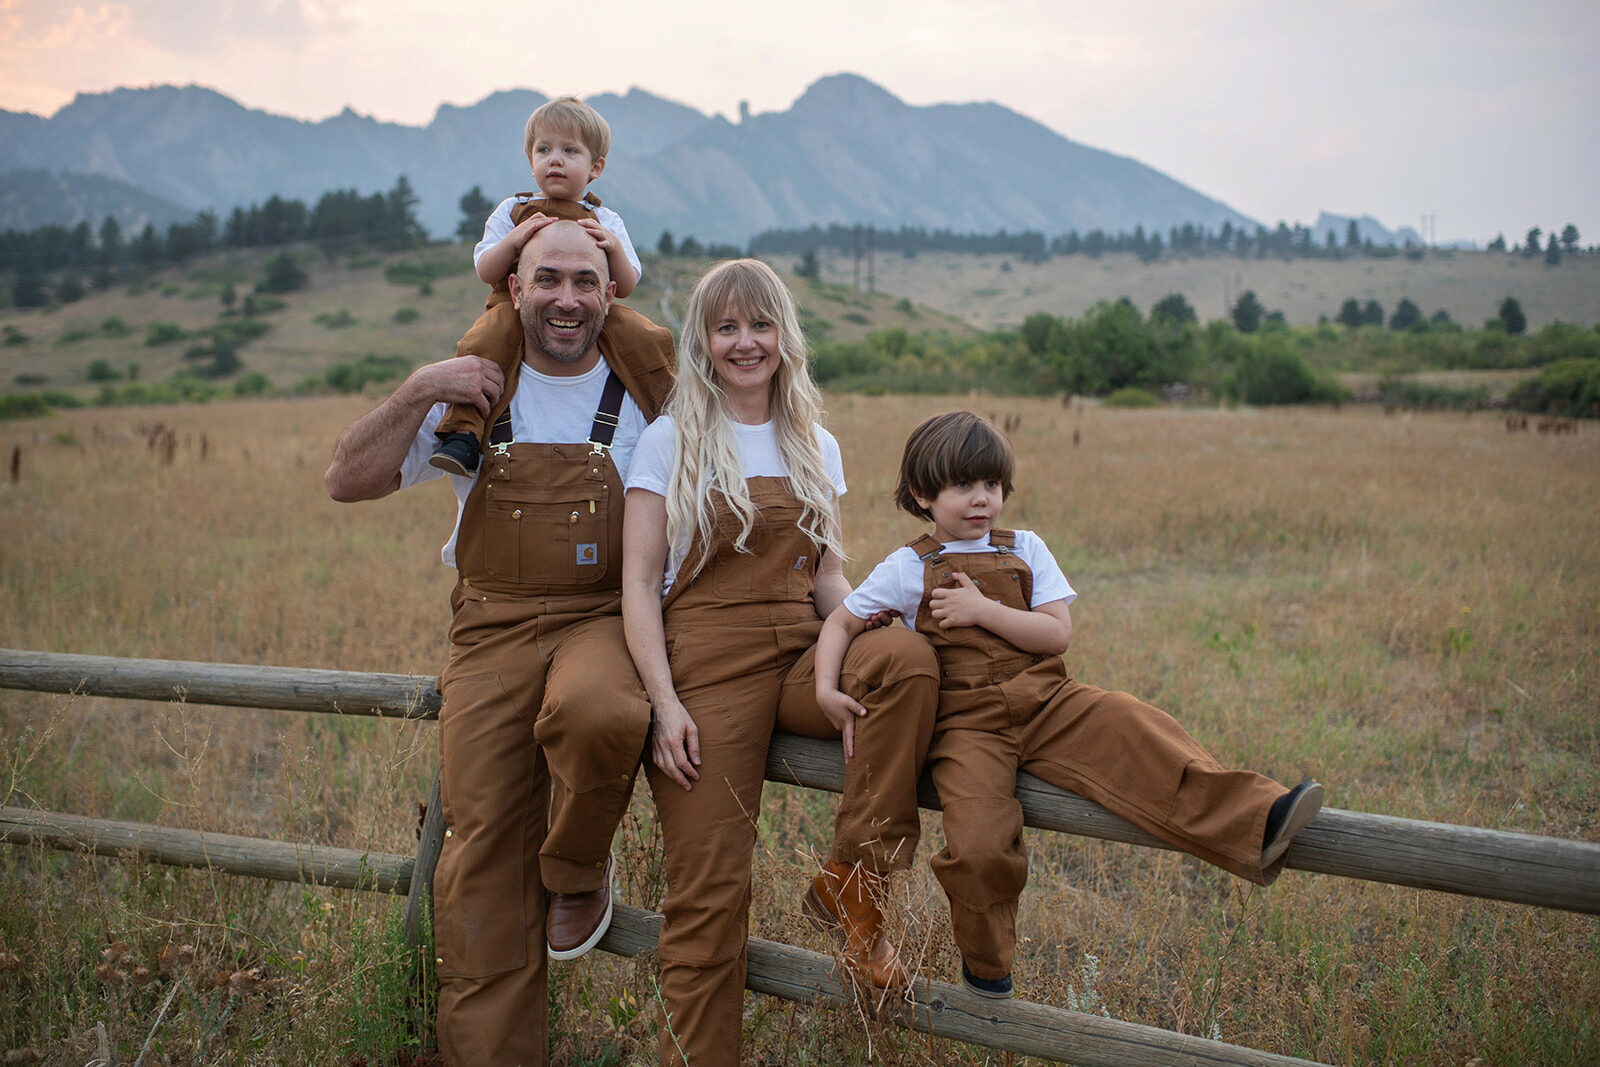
{"type": "Point", "coordinates": [800, 563]}
{"type": "Point", "coordinates": [588, 554]}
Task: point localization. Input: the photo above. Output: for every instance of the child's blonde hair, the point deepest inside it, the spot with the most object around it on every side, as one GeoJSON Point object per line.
{"type": "Point", "coordinates": [706, 465]}
{"type": "Point", "coordinates": [568, 114]}
{"type": "Point", "coordinates": [948, 449]}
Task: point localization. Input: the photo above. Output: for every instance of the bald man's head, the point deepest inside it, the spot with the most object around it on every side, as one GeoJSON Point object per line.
{"type": "Point", "coordinates": [562, 290]}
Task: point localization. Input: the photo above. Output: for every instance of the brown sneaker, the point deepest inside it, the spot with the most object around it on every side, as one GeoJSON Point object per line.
{"type": "Point", "coordinates": [841, 899]}
{"type": "Point", "coordinates": [577, 921]}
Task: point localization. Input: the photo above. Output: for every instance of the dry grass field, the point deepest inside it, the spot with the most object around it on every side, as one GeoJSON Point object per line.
{"type": "Point", "coordinates": [1407, 609]}
{"type": "Point", "coordinates": [994, 291]}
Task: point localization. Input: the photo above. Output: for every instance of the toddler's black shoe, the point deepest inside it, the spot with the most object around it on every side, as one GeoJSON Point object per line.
{"type": "Point", "coordinates": [993, 988]}
{"type": "Point", "coordinates": [457, 453]}
{"type": "Point", "coordinates": [1290, 814]}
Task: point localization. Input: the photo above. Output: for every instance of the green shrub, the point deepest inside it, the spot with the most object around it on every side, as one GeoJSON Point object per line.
{"type": "Point", "coordinates": [14, 336]}
{"type": "Point", "coordinates": [335, 320]}
{"type": "Point", "coordinates": [23, 406]}
{"type": "Point", "coordinates": [282, 274]}
{"type": "Point", "coordinates": [162, 333]}
{"type": "Point", "coordinates": [253, 384]}
{"type": "Point", "coordinates": [1570, 388]}
{"type": "Point", "coordinates": [353, 377]}
{"type": "Point", "coordinates": [1132, 397]}
{"type": "Point", "coordinates": [113, 326]}
{"type": "Point", "coordinates": [406, 315]}
{"type": "Point", "coordinates": [74, 335]}
{"type": "Point", "coordinates": [102, 371]}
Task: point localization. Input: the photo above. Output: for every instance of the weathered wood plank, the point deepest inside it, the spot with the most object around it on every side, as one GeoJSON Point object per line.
{"type": "Point", "coordinates": [256, 857]}
{"type": "Point", "coordinates": [429, 842]}
{"type": "Point", "coordinates": [775, 969]}
{"type": "Point", "coordinates": [1548, 872]}
{"type": "Point", "coordinates": [1523, 868]}
{"type": "Point", "coordinates": [228, 684]}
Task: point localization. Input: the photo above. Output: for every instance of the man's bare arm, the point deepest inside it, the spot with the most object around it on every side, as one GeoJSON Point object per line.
{"type": "Point", "coordinates": [370, 451]}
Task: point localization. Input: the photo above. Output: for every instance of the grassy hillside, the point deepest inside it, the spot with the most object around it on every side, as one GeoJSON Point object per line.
{"type": "Point", "coordinates": [994, 291]}
{"type": "Point", "coordinates": [1406, 608]}
{"type": "Point", "coordinates": [413, 305]}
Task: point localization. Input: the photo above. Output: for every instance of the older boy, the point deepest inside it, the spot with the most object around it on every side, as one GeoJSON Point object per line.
{"type": "Point", "coordinates": [994, 604]}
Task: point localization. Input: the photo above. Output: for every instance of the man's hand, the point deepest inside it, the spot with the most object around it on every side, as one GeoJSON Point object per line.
{"type": "Point", "coordinates": [675, 743]}
{"type": "Point", "coordinates": [961, 606]}
{"type": "Point", "coordinates": [463, 380]}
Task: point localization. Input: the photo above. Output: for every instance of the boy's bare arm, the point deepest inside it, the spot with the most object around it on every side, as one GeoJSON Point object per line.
{"type": "Point", "coordinates": [501, 259]}
{"type": "Point", "coordinates": [1044, 631]}
{"type": "Point", "coordinates": [840, 628]}
{"type": "Point", "coordinates": [622, 271]}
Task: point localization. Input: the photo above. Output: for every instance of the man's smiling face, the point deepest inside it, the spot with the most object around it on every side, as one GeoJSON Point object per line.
{"type": "Point", "coordinates": [562, 290]}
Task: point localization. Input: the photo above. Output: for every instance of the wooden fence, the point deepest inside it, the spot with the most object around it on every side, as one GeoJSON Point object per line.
{"type": "Point", "coordinates": [1522, 868]}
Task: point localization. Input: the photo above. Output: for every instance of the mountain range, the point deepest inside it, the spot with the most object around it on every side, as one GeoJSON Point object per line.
{"type": "Point", "coordinates": [847, 151]}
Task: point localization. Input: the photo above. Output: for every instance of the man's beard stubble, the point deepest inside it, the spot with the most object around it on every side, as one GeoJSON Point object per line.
{"type": "Point", "coordinates": [560, 351]}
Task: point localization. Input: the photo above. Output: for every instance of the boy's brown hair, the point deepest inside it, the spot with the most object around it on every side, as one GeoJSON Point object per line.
{"type": "Point", "coordinates": [944, 450]}
{"type": "Point", "coordinates": [568, 114]}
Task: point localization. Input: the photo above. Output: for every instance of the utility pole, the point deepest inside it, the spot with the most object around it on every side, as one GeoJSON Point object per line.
{"type": "Point", "coordinates": [857, 235]}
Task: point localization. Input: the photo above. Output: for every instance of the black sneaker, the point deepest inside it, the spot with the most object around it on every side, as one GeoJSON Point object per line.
{"type": "Point", "coordinates": [457, 453]}
{"type": "Point", "coordinates": [1290, 814]}
{"type": "Point", "coordinates": [993, 988]}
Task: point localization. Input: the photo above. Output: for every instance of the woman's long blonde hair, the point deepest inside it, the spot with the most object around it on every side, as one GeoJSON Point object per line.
{"type": "Point", "coordinates": [706, 466]}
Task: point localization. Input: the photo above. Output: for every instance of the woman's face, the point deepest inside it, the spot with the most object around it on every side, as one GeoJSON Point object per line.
{"type": "Point", "coordinates": [744, 352]}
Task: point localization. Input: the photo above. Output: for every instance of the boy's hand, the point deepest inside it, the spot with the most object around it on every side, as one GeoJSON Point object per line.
{"type": "Point", "coordinates": [603, 237]}
{"type": "Point", "coordinates": [842, 712]}
{"type": "Point", "coordinates": [879, 619]}
{"type": "Point", "coordinates": [528, 227]}
{"type": "Point", "coordinates": [961, 606]}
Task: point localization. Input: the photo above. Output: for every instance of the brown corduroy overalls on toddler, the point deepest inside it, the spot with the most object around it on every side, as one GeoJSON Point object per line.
{"type": "Point", "coordinates": [543, 725]}
{"type": "Point", "coordinates": [497, 334]}
{"type": "Point", "coordinates": [740, 638]}
{"type": "Point", "coordinates": [1002, 710]}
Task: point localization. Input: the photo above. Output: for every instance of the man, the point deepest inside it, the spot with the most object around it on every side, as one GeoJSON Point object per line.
{"type": "Point", "coordinates": [544, 720]}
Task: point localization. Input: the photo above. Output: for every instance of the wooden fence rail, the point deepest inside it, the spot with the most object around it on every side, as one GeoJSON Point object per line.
{"type": "Point", "coordinates": [776, 969]}
{"type": "Point", "coordinates": [1493, 864]}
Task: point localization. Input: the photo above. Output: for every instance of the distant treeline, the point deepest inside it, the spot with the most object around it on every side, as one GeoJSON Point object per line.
{"type": "Point", "coordinates": [385, 220]}
{"type": "Point", "coordinates": [1284, 241]}
{"type": "Point", "coordinates": [1117, 352]}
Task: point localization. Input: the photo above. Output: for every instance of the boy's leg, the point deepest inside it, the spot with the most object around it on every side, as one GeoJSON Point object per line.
{"type": "Point", "coordinates": [894, 673]}
{"type": "Point", "coordinates": [592, 726]}
{"type": "Point", "coordinates": [1138, 762]}
{"type": "Point", "coordinates": [489, 903]}
{"type": "Point", "coordinates": [497, 337]}
{"type": "Point", "coordinates": [709, 834]}
{"type": "Point", "coordinates": [984, 864]}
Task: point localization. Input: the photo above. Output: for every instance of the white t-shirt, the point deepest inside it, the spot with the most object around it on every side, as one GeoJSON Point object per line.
{"type": "Point", "coordinates": [544, 410]}
{"type": "Point", "coordinates": [499, 224]}
{"type": "Point", "coordinates": [651, 469]}
{"type": "Point", "coordinates": [896, 584]}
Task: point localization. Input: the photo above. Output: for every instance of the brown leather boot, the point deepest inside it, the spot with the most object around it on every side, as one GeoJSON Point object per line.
{"type": "Point", "coordinates": [841, 899]}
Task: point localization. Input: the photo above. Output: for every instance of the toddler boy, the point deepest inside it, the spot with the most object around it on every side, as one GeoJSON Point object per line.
{"type": "Point", "coordinates": [566, 142]}
{"type": "Point", "coordinates": [994, 604]}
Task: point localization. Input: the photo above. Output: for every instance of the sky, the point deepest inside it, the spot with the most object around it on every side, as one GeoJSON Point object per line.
{"type": "Point", "coordinates": [1479, 114]}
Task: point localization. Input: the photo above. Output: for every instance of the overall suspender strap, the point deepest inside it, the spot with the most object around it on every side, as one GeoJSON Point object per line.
{"type": "Point", "coordinates": [607, 417]}
{"type": "Point", "coordinates": [927, 548]}
{"type": "Point", "coordinates": [609, 414]}
{"type": "Point", "coordinates": [1004, 541]}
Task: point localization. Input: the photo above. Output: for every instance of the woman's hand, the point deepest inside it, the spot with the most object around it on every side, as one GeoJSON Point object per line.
{"type": "Point", "coordinates": [675, 743]}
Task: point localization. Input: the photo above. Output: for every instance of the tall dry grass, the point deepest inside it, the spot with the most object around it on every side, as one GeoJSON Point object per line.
{"type": "Point", "coordinates": [1406, 609]}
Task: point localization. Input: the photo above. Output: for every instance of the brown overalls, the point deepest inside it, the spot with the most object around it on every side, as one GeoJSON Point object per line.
{"type": "Point", "coordinates": [1001, 710]}
{"type": "Point", "coordinates": [543, 725]}
{"type": "Point", "coordinates": [740, 638]}
{"type": "Point", "coordinates": [497, 334]}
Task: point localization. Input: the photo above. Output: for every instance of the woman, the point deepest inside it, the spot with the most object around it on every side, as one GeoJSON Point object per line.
{"type": "Point", "coordinates": [732, 558]}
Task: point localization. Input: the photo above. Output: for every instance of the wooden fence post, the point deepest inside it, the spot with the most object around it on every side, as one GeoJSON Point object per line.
{"type": "Point", "coordinates": [429, 843]}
